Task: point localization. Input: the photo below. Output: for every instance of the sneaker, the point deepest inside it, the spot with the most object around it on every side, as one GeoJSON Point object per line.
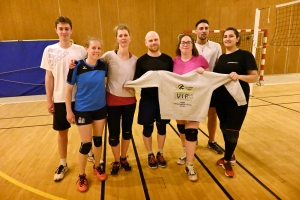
{"type": "Point", "coordinates": [233, 160]}
{"type": "Point", "coordinates": [91, 158]}
{"type": "Point", "coordinates": [227, 166]}
{"type": "Point", "coordinates": [116, 168]}
{"type": "Point", "coordinates": [152, 162]}
{"type": "Point", "coordinates": [160, 160]}
{"type": "Point", "coordinates": [189, 169]}
{"type": "Point", "coordinates": [60, 173]}
{"type": "Point", "coordinates": [214, 146]}
{"type": "Point", "coordinates": [99, 172]}
{"type": "Point", "coordinates": [124, 164]}
{"type": "Point", "coordinates": [181, 161]}
{"type": "Point", "coordinates": [82, 183]}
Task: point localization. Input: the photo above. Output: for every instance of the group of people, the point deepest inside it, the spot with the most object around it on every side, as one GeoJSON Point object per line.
{"type": "Point", "coordinates": [100, 93]}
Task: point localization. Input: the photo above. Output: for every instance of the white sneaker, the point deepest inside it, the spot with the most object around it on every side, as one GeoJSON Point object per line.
{"type": "Point", "coordinates": [181, 161]}
{"type": "Point", "coordinates": [90, 158]}
{"type": "Point", "coordinates": [60, 173]}
{"type": "Point", "coordinates": [189, 169]}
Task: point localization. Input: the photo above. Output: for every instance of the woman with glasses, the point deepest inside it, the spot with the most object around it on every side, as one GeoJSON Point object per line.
{"type": "Point", "coordinates": [188, 59]}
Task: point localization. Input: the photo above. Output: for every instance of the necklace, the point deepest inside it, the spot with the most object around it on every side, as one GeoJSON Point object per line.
{"type": "Point", "coordinates": [202, 47]}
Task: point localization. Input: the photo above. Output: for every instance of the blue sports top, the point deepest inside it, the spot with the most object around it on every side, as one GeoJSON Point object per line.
{"type": "Point", "coordinates": [90, 81]}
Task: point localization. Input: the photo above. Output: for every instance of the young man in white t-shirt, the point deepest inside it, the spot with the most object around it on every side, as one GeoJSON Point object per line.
{"type": "Point", "coordinates": [211, 51]}
{"type": "Point", "coordinates": [55, 61]}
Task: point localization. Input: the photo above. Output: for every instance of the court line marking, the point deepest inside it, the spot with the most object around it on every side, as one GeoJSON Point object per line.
{"type": "Point", "coordinates": [30, 189]}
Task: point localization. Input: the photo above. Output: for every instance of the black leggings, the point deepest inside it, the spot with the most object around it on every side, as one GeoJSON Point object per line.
{"type": "Point", "coordinates": [231, 118]}
{"type": "Point", "coordinates": [115, 114]}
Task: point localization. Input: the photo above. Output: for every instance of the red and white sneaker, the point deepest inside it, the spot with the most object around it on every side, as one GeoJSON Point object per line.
{"type": "Point", "coordinates": [227, 166]}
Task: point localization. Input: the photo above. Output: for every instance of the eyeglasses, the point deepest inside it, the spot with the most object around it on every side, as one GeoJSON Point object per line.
{"type": "Point", "coordinates": [188, 43]}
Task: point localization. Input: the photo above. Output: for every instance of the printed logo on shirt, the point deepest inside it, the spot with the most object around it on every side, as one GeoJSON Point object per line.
{"type": "Point", "coordinates": [84, 67]}
{"type": "Point", "coordinates": [180, 87]}
{"type": "Point", "coordinates": [183, 96]}
{"type": "Point", "coordinates": [232, 62]}
{"type": "Point", "coordinates": [81, 120]}
{"type": "Point", "coordinates": [55, 55]}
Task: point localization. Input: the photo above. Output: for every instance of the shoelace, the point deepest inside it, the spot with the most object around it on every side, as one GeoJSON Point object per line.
{"type": "Point", "coordinates": [152, 159]}
{"type": "Point", "coordinates": [116, 165]}
{"type": "Point", "coordinates": [228, 166]}
{"type": "Point", "coordinates": [59, 169]}
{"type": "Point", "coordinates": [161, 158]}
{"type": "Point", "coordinates": [81, 180]}
{"type": "Point", "coordinates": [124, 162]}
{"type": "Point", "coordinates": [99, 169]}
{"type": "Point", "coordinates": [191, 170]}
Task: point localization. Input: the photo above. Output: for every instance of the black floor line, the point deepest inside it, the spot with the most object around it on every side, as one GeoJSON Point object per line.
{"type": "Point", "coordinates": [206, 169]}
{"type": "Point", "coordinates": [147, 196]}
{"type": "Point", "coordinates": [252, 175]}
{"type": "Point", "coordinates": [280, 105]}
{"type": "Point", "coordinates": [102, 197]}
{"type": "Point", "coordinates": [25, 126]}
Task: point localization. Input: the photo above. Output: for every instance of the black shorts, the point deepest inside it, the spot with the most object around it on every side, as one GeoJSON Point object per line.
{"type": "Point", "coordinates": [149, 112]}
{"type": "Point", "coordinates": [60, 121]}
{"type": "Point", "coordinates": [84, 118]}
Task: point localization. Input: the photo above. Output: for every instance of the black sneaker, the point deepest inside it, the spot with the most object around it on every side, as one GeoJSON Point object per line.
{"type": "Point", "coordinates": [160, 160]}
{"type": "Point", "coordinates": [124, 164]}
{"type": "Point", "coordinates": [152, 162]}
{"type": "Point", "coordinates": [115, 169]}
{"type": "Point", "coordinates": [214, 146]}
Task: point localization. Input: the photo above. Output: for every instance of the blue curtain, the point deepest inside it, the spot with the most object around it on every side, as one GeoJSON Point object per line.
{"type": "Point", "coordinates": [20, 72]}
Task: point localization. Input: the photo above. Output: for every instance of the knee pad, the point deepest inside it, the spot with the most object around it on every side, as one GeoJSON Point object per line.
{"type": "Point", "coordinates": [161, 129]}
{"type": "Point", "coordinates": [97, 141]}
{"type": "Point", "coordinates": [232, 136]}
{"type": "Point", "coordinates": [113, 141]}
{"type": "Point", "coordinates": [127, 135]}
{"type": "Point", "coordinates": [180, 128]}
{"type": "Point", "coordinates": [191, 134]}
{"type": "Point", "coordinates": [85, 147]}
{"type": "Point", "coordinates": [147, 131]}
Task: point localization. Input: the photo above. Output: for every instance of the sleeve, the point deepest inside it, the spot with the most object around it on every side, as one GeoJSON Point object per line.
{"type": "Point", "coordinates": [45, 61]}
{"type": "Point", "coordinates": [71, 78]}
{"type": "Point", "coordinates": [235, 90]}
{"type": "Point", "coordinates": [171, 65]}
{"type": "Point", "coordinates": [104, 57]}
{"type": "Point", "coordinates": [219, 50]}
{"type": "Point", "coordinates": [149, 79]}
{"type": "Point", "coordinates": [204, 63]}
{"type": "Point", "coordinates": [138, 69]}
{"type": "Point", "coordinates": [250, 62]}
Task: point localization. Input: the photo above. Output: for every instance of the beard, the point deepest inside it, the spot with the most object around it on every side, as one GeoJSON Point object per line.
{"type": "Point", "coordinates": [203, 37]}
{"type": "Point", "coordinates": [154, 50]}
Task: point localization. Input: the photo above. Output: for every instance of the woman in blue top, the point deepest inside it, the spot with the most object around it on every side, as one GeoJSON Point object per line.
{"type": "Point", "coordinates": [90, 107]}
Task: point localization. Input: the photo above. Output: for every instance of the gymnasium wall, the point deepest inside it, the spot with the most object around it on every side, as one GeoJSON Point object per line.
{"type": "Point", "coordinates": [34, 19]}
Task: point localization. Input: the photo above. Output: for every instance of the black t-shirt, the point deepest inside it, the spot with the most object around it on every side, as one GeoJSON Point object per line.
{"type": "Point", "coordinates": [240, 62]}
{"type": "Point", "coordinates": [147, 63]}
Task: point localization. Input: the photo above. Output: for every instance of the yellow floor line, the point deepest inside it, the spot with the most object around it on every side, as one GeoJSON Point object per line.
{"type": "Point", "coordinates": [26, 187]}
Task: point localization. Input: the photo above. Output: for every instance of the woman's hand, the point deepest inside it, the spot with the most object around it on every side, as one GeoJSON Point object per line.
{"type": "Point", "coordinates": [72, 64]}
{"type": "Point", "coordinates": [71, 117]}
{"type": "Point", "coordinates": [234, 76]}
{"type": "Point", "coordinates": [200, 70]}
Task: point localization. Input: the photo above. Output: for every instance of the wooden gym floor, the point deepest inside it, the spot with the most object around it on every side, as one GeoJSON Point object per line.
{"type": "Point", "coordinates": [267, 154]}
